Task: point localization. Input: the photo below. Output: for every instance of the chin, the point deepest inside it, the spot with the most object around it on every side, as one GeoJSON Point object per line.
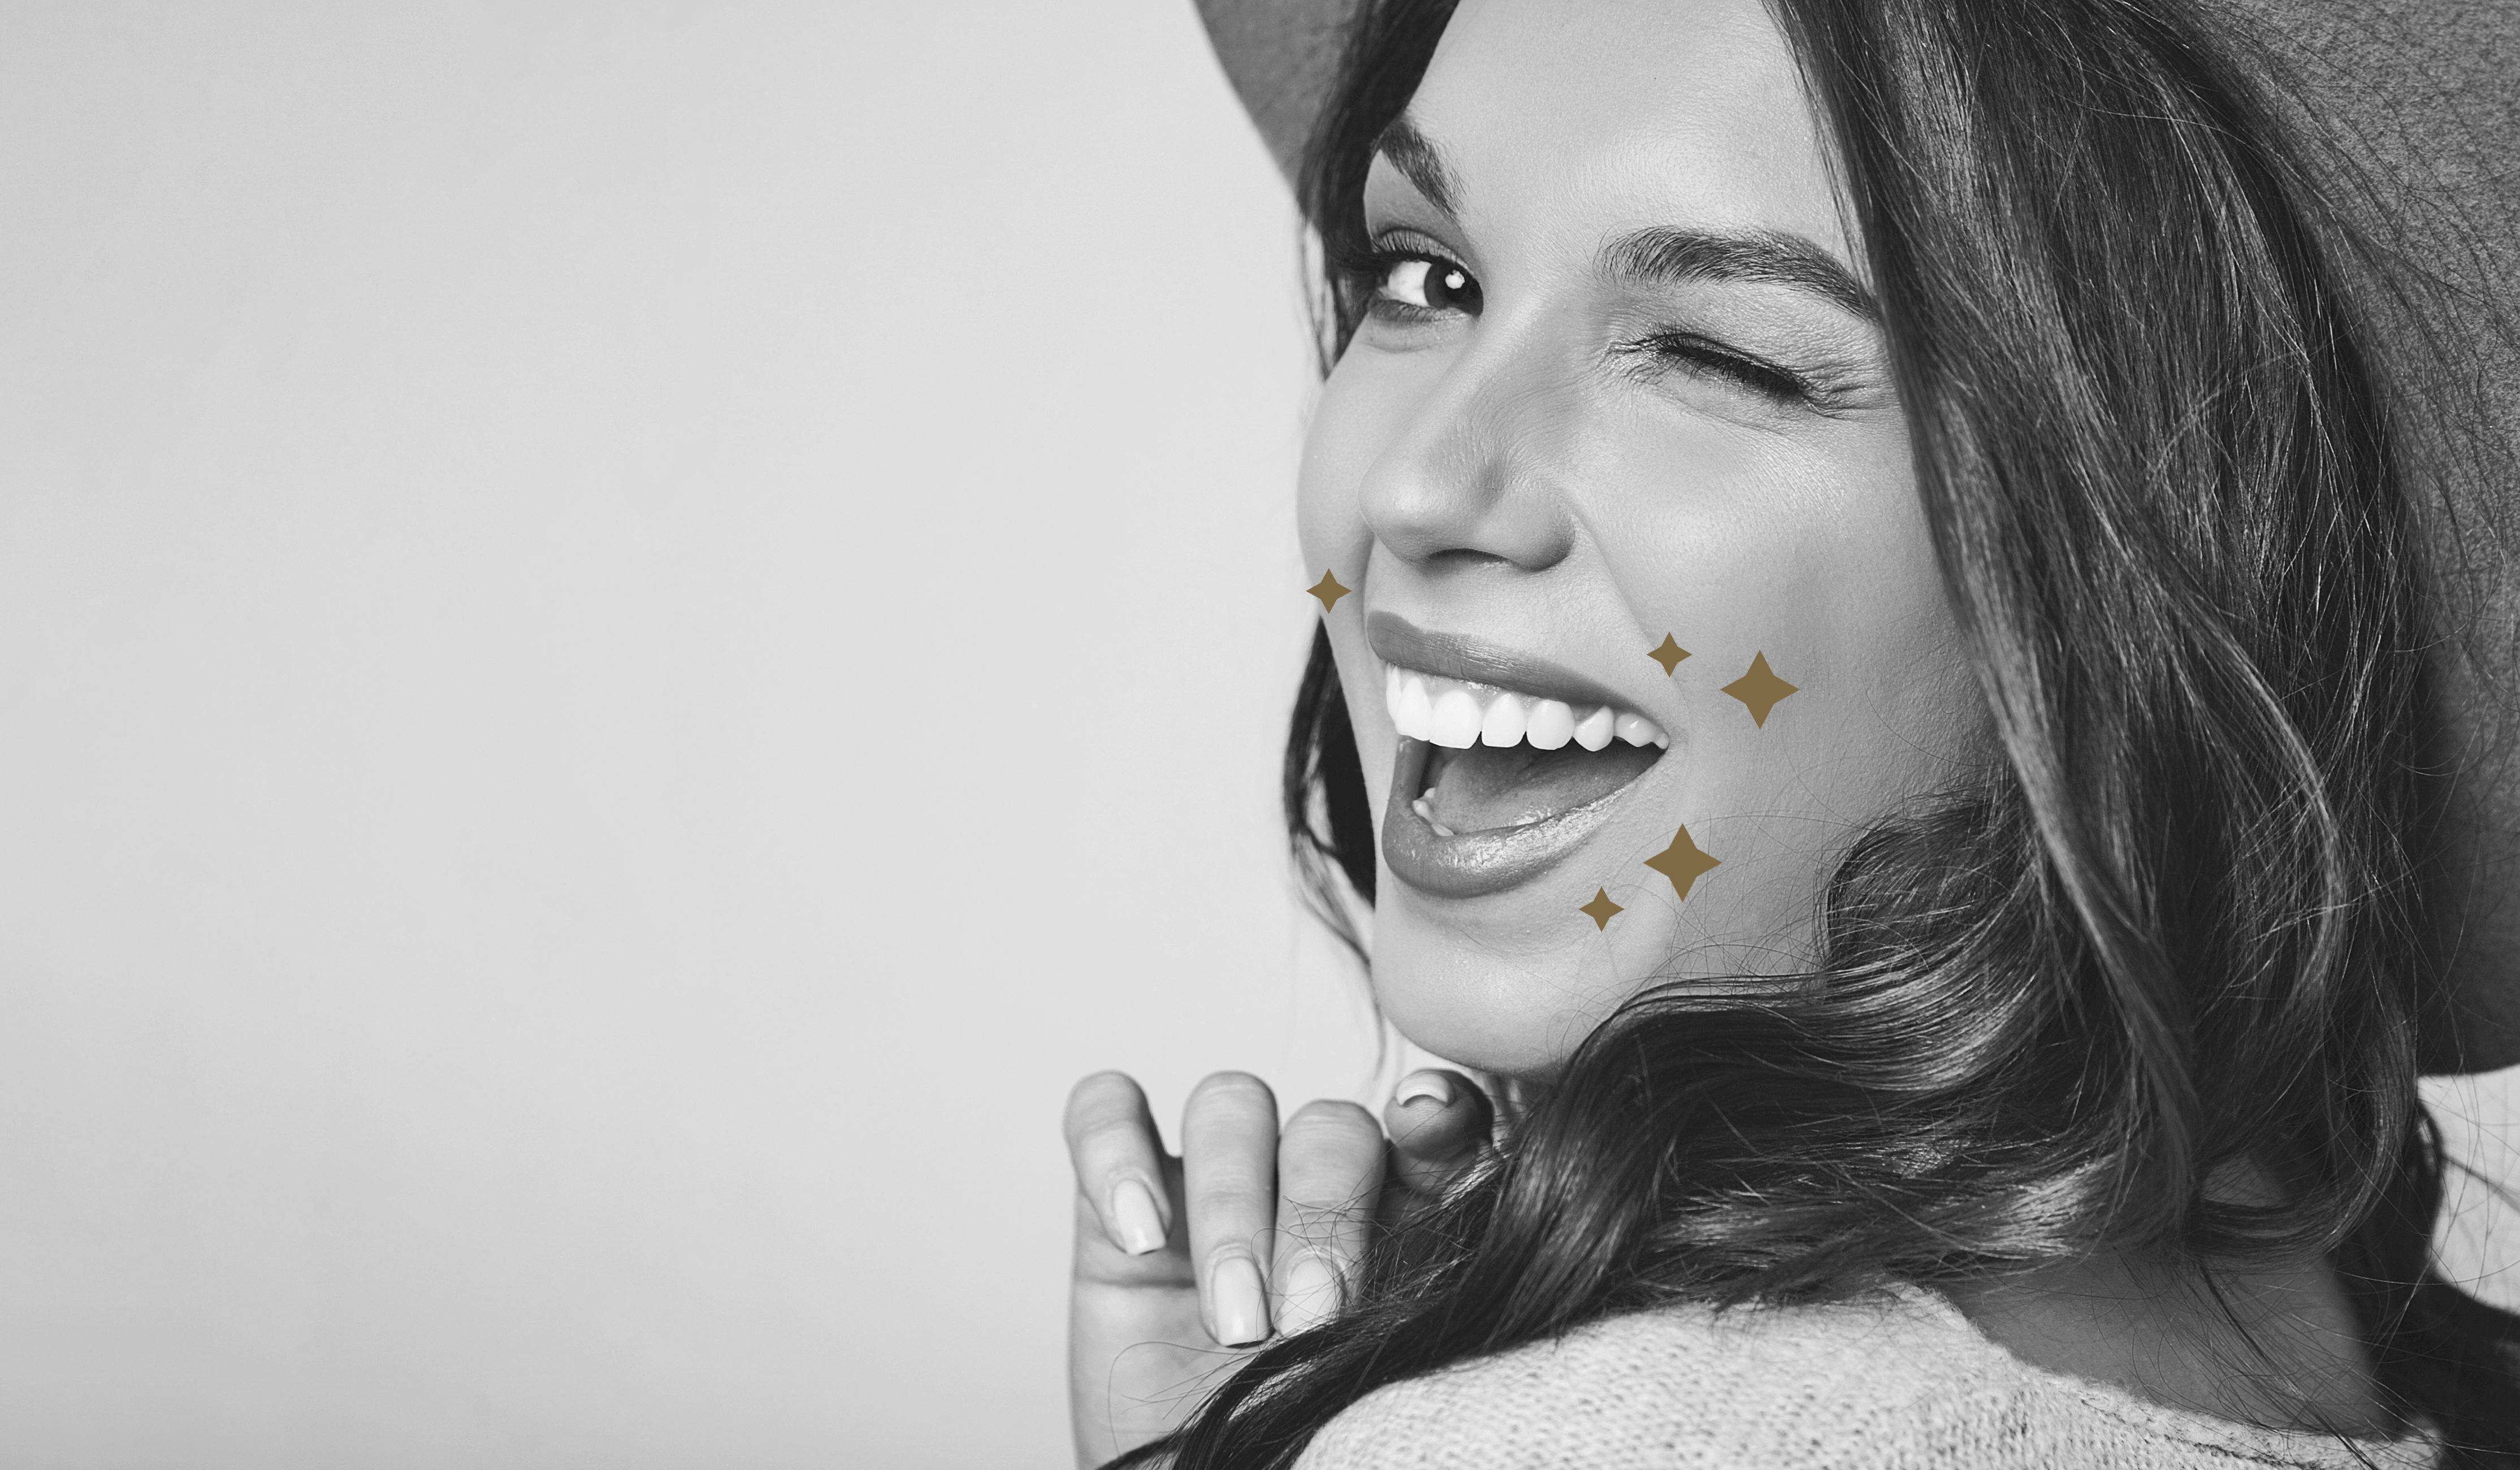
{"type": "Point", "coordinates": [1516, 1008]}
{"type": "Point", "coordinates": [1512, 982]}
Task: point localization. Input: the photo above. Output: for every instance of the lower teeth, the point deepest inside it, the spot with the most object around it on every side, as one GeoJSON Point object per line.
{"type": "Point", "coordinates": [1428, 812]}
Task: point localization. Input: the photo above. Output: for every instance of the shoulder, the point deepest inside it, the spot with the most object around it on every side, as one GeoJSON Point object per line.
{"type": "Point", "coordinates": [1813, 1386]}
{"type": "Point", "coordinates": [1892, 1382]}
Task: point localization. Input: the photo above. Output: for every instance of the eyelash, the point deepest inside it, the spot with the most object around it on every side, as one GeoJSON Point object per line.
{"type": "Point", "coordinates": [1704, 354]}
{"type": "Point", "coordinates": [1363, 272]}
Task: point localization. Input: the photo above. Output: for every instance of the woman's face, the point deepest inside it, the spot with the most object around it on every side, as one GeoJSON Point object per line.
{"type": "Point", "coordinates": [1621, 381]}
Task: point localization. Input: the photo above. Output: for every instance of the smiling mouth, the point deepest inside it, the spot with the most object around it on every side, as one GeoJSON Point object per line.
{"type": "Point", "coordinates": [1492, 785]}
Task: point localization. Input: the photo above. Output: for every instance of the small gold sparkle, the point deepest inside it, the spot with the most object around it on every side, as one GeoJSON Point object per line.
{"type": "Point", "coordinates": [1668, 656]}
{"type": "Point", "coordinates": [1328, 589]}
{"type": "Point", "coordinates": [1760, 689]}
{"type": "Point", "coordinates": [1600, 911]}
{"type": "Point", "coordinates": [1682, 862]}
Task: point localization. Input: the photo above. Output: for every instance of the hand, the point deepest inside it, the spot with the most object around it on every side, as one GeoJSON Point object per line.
{"type": "Point", "coordinates": [1184, 1264]}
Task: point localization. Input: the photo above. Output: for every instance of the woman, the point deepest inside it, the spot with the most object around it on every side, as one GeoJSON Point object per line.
{"type": "Point", "coordinates": [1883, 696]}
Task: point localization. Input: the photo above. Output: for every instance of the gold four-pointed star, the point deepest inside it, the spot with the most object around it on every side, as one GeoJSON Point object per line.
{"type": "Point", "coordinates": [1669, 654]}
{"type": "Point", "coordinates": [1681, 863]}
{"type": "Point", "coordinates": [1328, 589]}
{"type": "Point", "coordinates": [1600, 911]}
{"type": "Point", "coordinates": [1760, 689]}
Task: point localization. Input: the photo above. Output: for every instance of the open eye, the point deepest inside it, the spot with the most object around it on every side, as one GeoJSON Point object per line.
{"type": "Point", "coordinates": [1426, 284]}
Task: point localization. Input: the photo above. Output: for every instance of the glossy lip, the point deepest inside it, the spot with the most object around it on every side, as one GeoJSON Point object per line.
{"type": "Point", "coordinates": [1396, 639]}
{"type": "Point", "coordinates": [1468, 865]}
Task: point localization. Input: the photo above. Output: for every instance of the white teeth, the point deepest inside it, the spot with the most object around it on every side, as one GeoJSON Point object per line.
{"type": "Point", "coordinates": [1413, 714]}
{"type": "Point", "coordinates": [1428, 813]}
{"type": "Point", "coordinates": [1457, 720]}
{"type": "Point", "coordinates": [1637, 730]}
{"type": "Point", "coordinates": [1552, 724]}
{"type": "Point", "coordinates": [1449, 712]}
{"type": "Point", "coordinates": [1504, 721]}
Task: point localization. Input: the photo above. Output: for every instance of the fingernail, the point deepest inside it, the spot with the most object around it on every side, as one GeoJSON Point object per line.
{"type": "Point", "coordinates": [1135, 1216]}
{"type": "Point", "coordinates": [1312, 1294]}
{"type": "Point", "coordinates": [1417, 1084]}
{"type": "Point", "coordinates": [1241, 1309]}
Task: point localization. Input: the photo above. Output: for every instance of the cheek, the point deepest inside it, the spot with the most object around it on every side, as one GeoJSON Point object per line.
{"type": "Point", "coordinates": [1352, 424]}
{"type": "Point", "coordinates": [1821, 562]}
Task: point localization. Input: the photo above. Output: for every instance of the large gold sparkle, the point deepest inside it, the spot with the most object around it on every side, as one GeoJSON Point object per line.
{"type": "Point", "coordinates": [1682, 862]}
{"type": "Point", "coordinates": [1669, 654]}
{"type": "Point", "coordinates": [1328, 589]}
{"type": "Point", "coordinates": [1600, 911]}
{"type": "Point", "coordinates": [1760, 689]}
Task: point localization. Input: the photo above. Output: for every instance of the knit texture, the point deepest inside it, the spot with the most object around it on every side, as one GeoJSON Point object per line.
{"type": "Point", "coordinates": [1893, 1384]}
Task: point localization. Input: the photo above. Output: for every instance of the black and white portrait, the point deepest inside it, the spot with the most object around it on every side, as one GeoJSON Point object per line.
{"type": "Point", "coordinates": [1260, 735]}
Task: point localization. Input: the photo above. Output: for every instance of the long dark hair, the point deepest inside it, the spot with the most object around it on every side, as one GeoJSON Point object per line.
{"type": "Point", "coordinates": [2187, 927]}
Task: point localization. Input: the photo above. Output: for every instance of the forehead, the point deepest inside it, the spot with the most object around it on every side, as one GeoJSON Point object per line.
{"type": "Point", "coordinates": [1578, 116]}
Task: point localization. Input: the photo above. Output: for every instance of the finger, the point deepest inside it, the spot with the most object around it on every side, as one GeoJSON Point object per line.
{"type": "Point", "coordinates": [1440, 1123]}
{"type": "Point", "coordinates": [1329, 1175]}
{"type": "Point", "coordinates": [1120, 1162]}
{"type": "Point", "coordinates": [1228, 1170]}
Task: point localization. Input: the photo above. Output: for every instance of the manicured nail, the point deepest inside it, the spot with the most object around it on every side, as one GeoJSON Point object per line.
{"type": "Point", "coordinates": [1312, 1294]}
{"type": "Point", "coordinates": [1135, 1216]}
{"type": "Point", "coordinates": [1417, 1084]}
{"type": "Point", "coordinates": [1242, 1307]}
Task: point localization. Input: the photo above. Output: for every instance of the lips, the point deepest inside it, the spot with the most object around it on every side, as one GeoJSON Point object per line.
{"type": "Point", "coordinates": [1505, 763]}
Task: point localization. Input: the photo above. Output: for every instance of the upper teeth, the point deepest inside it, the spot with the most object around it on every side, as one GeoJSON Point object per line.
{"type": "Point", "coordinates": [1459, 714]}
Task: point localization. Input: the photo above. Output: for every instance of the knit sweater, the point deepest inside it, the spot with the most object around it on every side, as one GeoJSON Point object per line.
{"type": "Point", "coordinates": [1897, 1384]}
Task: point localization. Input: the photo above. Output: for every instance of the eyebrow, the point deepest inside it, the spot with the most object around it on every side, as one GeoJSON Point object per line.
{"type": "Point", "coordinates": [1421, 162]}
{"type": "Point", "coordinates": [1660, 256]}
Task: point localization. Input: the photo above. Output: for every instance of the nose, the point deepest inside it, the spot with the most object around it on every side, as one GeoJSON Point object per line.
{"type": "Point", "coordinates": [1475, 474]}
